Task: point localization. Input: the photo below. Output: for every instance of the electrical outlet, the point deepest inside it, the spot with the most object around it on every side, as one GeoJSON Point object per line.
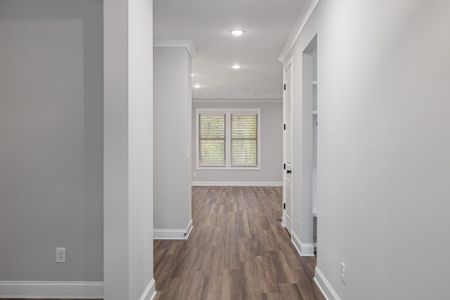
{"type": "Point", "coordinates": [60, 255]}
{"type": "Point", "coordinates": [343, 269]}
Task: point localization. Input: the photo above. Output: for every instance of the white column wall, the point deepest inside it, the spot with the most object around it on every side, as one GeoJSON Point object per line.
{"type": "Point", "coordinates": [128, 152]}
{"type": "Point", "coordinates": [173, 111]}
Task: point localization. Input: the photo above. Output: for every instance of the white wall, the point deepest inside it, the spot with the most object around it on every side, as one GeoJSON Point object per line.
{"type": "Point", "coordinates": [271, 144]}
{"type": "Point", "coordinates": [173, 105]}
{"type": "Point", "coordinates": [383, 166]}
{"type": "Point", "coordinates": [51, 115]}
{"type": "Point", "coordinates": [128, 149]}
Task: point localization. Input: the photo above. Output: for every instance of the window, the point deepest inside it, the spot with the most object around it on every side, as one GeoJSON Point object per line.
{"type": "Point", "coordinates": [244, 140]}
{"type": "Point", "coordinates": [212, 140]}
{"type": "Point", "coordinates": [228, 139]}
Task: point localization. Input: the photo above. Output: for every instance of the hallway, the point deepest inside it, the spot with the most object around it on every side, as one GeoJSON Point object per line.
{"type": "Point", "coordinates": [237, 250]}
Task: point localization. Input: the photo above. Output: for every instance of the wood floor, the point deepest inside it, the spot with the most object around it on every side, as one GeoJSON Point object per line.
{"type": "Point", "coordinates": [237, 250]}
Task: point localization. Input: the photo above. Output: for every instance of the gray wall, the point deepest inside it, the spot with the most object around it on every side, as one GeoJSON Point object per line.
{"type": "Point", "coordinates": [271, 144]}
{"type": "Point", "coordinates": [383, 146]}
{"type": "Point", "coordinates": [51, 98]}
{"type": "Point", "coordinates": [173, 104]}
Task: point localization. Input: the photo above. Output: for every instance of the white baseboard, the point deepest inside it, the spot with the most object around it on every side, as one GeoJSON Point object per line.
{"type": "Point", "coordinates": [173, 234]}
{"type": "Point", "coordinates": [283, 219]}
{"type": "Point", "coordinates": [304, 249]}
{"type": "Point", "coordinates": [287, 222]}
{"type": "Point", "coordinates": [237, 183]}
{"type": "Point", "coordinates": [189, 229]}
{"type": "Point", "coordinates": [52, 289]}
{"type": "Point", "coordinates": [325, 286]}
{"type": "Point", "coordinates": [149, 292]}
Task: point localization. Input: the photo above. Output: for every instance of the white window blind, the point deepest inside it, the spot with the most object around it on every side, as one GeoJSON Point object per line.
{"type": "Point", "coordinates": [244, 139]}
{"type": "Point", "coordinates": [212, 140]}
{"type": "Point", "coordinates": [228, 138]}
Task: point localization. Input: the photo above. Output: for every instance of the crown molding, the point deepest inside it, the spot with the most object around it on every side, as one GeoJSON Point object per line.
{"type": "Point", "coordinates": [298, 29]}
{"type": "Point", "coordinates": [188, 44]}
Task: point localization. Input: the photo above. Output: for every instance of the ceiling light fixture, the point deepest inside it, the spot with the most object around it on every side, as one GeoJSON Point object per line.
{"type": "Point", "coordinates": [236, 66]}
{"type": "Point", "coordinates": [237, 32]}
{"type": "Point", "coordinates": [197, 86]}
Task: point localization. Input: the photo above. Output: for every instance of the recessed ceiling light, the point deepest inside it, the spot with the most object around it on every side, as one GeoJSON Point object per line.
{"type": "Point", "coordinates": [197, 86]}
{"type": "Point", "coordinates": [237, 32]}
{"type": "Point", "coordinates": [192, 75]}
{"type": "Point", "coordinates": [236, 66]}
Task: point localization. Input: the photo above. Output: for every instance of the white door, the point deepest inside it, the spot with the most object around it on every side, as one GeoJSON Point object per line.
{"type": "Point", "coordinates": [288, 219]}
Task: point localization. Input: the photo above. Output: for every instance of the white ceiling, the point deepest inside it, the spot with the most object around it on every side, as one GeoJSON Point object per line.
{"type": "Point", "coordinates": [267, 25]}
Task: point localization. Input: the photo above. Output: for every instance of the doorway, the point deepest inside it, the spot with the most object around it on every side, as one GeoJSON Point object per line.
{"type": "Point", "coordinates": [310, 134]}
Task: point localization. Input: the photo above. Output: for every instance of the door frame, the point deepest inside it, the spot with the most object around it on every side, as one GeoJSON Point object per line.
{"type": "Point", "coordinates": [288, 67]}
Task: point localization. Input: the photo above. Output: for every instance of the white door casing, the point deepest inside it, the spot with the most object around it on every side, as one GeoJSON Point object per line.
{"type": "Point", "coordinates": [288, 147]}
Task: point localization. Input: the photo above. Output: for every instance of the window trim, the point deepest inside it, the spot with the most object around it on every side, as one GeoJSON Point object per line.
{"type": "Point", "coordinates": [227, 112]}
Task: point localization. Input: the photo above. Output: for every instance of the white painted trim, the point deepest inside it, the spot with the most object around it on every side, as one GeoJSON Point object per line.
{"type": "Point", "coordinates": [289, 165]}
{"type": "Point", "coordinates": [52, 289]}
{"type": "Point", "coordinates": [189, 229]}
{"type": "Point", "coordinates": [237, 183]}
{"type": "Point", "coordinates": [298, 29]}
{"type": "Point", "coordinates": [173, 234]}
{"type": "Point", "coordinates": [304, 249]}
{"type": "Point", "coordinates": [230, 168]}
{"type": "Point", "coordinates": [287, 222]}
{"type": "Point", "coordinates": [325, 286]}
{"type": "Point", "coordinates": [169, 234]}
{"type": "Point", "coordinates": [149, 292]}
{"type": "Point", "coordinates": [228, 112]}
{"type": "Point", "coordinates": [199, 100]}
{"type": "Point", "coordinates": [188, 44]}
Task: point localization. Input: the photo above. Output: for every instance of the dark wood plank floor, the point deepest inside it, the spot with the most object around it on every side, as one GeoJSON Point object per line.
{"type": "Point", "coordinates": [237, 250]}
